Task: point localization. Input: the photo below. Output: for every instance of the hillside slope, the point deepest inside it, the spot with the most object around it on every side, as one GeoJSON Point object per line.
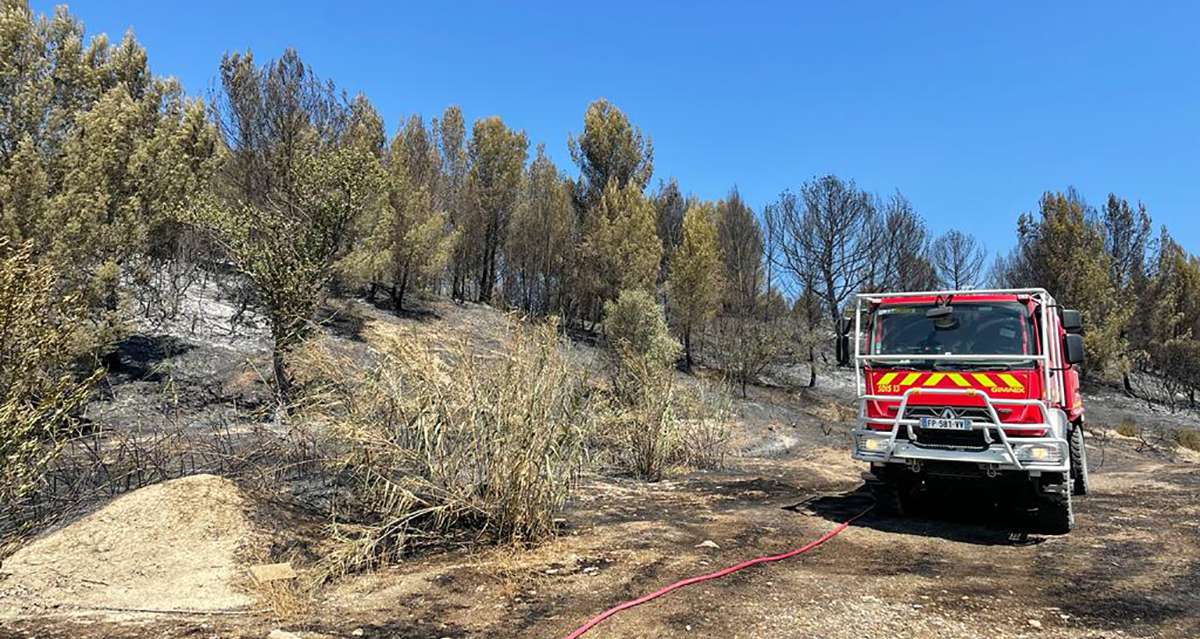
{"type": "Point", "coordinates": [1132, 568]}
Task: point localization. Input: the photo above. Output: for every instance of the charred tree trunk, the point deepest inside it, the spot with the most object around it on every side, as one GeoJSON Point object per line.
{"type": "Point", "coordinates": [487, 271]}
{"type": "Point", "coordinates": [1128, 384]}
{"type": "Point", "coordinates": [812, 367]}
{"type": "Point", "coordinates": [398, 295]}
{"type": "Point", "coordinates": [687, 350]}
{"type": "Point", "coordinates": [485, 281]}
{"type": "Point", "coordinates": [283, 379]}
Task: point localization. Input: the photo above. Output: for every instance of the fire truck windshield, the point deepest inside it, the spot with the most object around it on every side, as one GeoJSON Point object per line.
{"type": "Point", "coordinates": [1001, 328]}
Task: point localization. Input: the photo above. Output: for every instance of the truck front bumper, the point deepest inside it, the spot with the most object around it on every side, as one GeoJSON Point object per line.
{"type": "Point", "coordinates": [1045, 454]}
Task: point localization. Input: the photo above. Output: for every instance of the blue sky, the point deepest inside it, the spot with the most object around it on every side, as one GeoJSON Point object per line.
{"type": "Point", "coordinates": [971, 109]}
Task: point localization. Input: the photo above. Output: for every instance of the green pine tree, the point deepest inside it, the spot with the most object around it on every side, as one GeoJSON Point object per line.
{"type": "Point", "coordinates": [695, 283]}
{"type": "Point", "coordinates": [497, 156]}
{"type": "Point", "coordinates": [621, 250]}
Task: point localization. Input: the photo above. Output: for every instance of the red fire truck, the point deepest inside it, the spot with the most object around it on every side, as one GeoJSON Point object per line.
{"type": "Point", "coordinates": [978, 385]}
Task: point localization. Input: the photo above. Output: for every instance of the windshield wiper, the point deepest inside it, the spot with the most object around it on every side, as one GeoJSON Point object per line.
{"type": "Point", "coordinates": [960, 365]}
{"type": "Point", "coordinates": [922, 364]}
{"type": "Point", "coordinates": [918, 364]}
{"type": "Point", "coordinates": [994, 365]}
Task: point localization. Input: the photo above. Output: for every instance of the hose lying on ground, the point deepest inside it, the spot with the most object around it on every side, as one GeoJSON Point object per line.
{"type": "Point", "coordinates": [594, 621]}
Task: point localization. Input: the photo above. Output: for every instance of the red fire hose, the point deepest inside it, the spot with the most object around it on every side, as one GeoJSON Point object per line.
{"type": "Point", "coordinates": [594, 621]}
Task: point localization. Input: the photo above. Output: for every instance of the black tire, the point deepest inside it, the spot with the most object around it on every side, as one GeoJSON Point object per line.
{"type": "Point", "coordinates": [887, 500]}
{"type": "Point", "coordinates": [1056, 513]}
{"type": "Point", "coordinates": [1079, 469]}
{"type": "Point", "coordinates": [895, 492]}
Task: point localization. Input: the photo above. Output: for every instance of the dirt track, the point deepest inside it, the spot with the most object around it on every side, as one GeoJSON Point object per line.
{"type": "Point", "coordinates": [956, 574]}
{"type": "Point", "coordinates": [1132, 568]}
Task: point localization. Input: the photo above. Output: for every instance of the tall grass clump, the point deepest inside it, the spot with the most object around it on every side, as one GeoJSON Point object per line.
{"type": "Point", "coordinates": [433, 446]}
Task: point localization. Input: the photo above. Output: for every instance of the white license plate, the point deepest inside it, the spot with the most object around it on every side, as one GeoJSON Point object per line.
{"type": "Point", "coordinates": [945, 423]}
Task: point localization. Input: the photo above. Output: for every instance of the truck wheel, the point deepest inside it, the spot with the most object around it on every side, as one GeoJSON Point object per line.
{"type": "Point", "coordinates": [1055, 515]}
{"type": "Point", "coordinates": [887, 500]}
{"type": "Point", "coordinates": [1079, 469]}
{"type": "Point", "coordinates": [894, 492]}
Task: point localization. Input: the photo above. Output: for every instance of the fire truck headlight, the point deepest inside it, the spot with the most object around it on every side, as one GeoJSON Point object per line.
{"type": "Point", "coordinates": [873, 444]}
{"type": "Point", "coordinates": [1039, 453]}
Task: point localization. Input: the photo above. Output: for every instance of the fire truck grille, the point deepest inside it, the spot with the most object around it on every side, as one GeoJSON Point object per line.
{"type": "Point", "coordinates": [976, 413]}
{"type": "Point", "coordinates": [958, 439]}
{"type": "Point", "coordinates": [937, 438]}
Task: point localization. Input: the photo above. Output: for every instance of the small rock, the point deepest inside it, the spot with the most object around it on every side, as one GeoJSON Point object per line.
{"type": "Point", "coordinates": [357, 632]}
{"type": "Point", "coordinates": [707, 543]}
{"type": "Point", "coordinates": [282, 634]}
{"type": "Point", "coordinates": [1035, 623]}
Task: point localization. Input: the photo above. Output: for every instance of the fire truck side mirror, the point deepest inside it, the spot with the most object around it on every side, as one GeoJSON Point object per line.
{"type": "Point", "coordinates": [843, 342]}
{"type": "Point", "coordinates": [1073, 349]}
{"type": "Point", "coordinates": [1072, 321]}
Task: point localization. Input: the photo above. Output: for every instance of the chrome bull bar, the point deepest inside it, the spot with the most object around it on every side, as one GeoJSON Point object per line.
{"type": "Point", "coordinates": [1010, 456]}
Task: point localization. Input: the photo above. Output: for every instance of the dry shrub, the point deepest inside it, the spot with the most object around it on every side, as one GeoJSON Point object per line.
{"type": "Point", "coordinates": [510, 572]}
{"type": "Point", "coordinates": [649, 423]}
{"type": "Point", "coordinates": [705, 431]}
{"type": "Point", "coordinates": [832, 414]}
{"type": "Point", "coordinates": [1188, 438]}
{"type": "Point", "coordinates": [704, 443]}
{"type": "Point", "coordinates": [436, 446]}
{"type": "Point", "coordinates": [641, 428]}
{"type": "Point", "coordinates": [641, 432]}
{"type": "Point", "coordinates": [668, 426]}
{"type": "Point", "coordinates": [744, 348]}
{"type": "Point", "coordinates": [1156, 435]}
{"type": "Point", "coordinates": [1128, 428]}
{"type": "Point", "coordinates": [287, 599]}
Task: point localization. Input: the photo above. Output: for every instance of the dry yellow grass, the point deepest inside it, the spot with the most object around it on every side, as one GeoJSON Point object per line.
{"type": "Point", "coordinates": [1188, 438]}
{"type": "Point", "coordinates": [446, 444]}
{"type": "Point", "coordinates": [1127, 428]}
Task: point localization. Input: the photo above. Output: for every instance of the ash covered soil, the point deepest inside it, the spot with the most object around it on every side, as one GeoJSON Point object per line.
{"type": "Point", "coordinates": [1130, 569]}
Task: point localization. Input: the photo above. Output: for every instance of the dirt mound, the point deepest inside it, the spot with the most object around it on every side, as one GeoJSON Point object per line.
{"type": "Point", "coordinates": [177, 545]}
